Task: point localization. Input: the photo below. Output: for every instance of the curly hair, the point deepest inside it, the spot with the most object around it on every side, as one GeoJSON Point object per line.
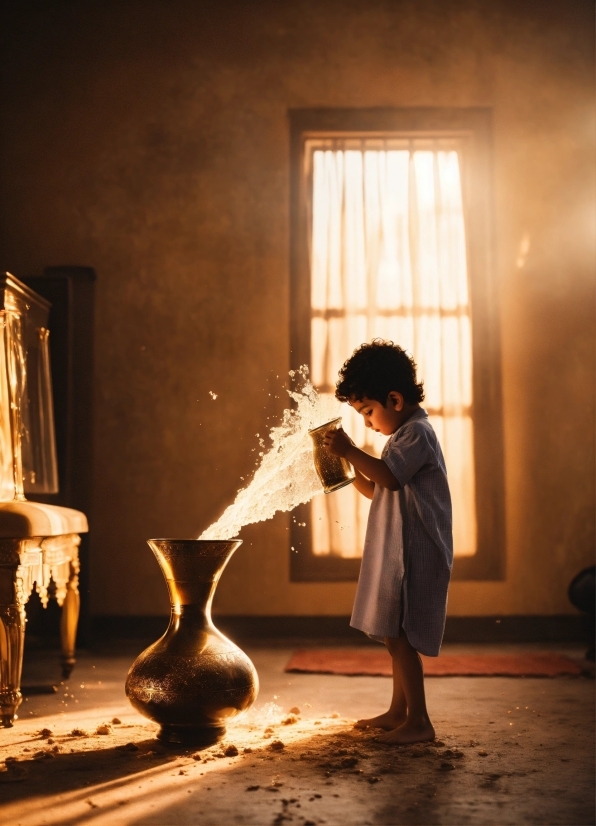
{"type": "Point", "coordinates": [374, 370]}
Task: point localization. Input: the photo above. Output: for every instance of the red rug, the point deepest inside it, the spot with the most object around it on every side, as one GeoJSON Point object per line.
{"type": "Point", "coordinates": [377, 663]}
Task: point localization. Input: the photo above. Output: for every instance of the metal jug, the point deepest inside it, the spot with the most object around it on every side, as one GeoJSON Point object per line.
{"type": "Point", "coordinates": [334, 471]}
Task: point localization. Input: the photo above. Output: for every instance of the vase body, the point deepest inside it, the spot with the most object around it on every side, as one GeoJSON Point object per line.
{"type": "Point", "coordinates": [334, 471]}
{"type": "Point", "coordinates": [193, 679]}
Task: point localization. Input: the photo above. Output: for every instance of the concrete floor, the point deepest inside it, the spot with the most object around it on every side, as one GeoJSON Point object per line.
{"type": "Point", "coordinates": [510, 751]}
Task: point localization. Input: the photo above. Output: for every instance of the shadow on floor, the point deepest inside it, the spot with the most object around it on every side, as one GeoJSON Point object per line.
{"type": "Point", "coordinates": [337, 775]}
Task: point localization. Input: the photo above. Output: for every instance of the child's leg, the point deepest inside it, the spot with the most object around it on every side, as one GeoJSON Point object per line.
{"type": "Point", "coordinates": [397, 710]}
{"type": "Point", "coordinates": [417, 726]}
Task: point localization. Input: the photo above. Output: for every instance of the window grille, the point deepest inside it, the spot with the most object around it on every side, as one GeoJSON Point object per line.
{"type": "Point", "coordinates": [388, 260]}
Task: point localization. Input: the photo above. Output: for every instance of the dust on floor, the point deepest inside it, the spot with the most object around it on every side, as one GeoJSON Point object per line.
{"type": "Point", "coordinates": [508, 752]}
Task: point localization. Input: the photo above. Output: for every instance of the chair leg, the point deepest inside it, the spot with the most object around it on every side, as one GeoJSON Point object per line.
{"type": "Point", "coordinates": [12, 632]}
{"type": "Point", "coordinates": [70, 619]}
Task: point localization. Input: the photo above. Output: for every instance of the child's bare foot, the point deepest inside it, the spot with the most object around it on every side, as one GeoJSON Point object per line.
{"type": "Point", "coordinates": [419, 731]}
{"type": "Point", "coordinates": [387, 721]}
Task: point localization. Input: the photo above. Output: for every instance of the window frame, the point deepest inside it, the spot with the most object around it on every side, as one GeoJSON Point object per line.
{"type": "Point", "coordinates": [473, 127]}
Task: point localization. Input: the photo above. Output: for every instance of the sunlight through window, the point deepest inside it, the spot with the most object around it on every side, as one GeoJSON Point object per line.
{"type": "Point", "coordinates": [388, 260]}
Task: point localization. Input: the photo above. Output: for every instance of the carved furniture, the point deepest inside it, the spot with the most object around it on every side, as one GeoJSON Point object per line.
{"type": "Point", "coordinates": [38, 542]}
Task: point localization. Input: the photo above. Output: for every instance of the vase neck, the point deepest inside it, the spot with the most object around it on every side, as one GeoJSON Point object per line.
{"type": "Point", "coordinates": [197, 616]}
{"type": "Point", "coordinates": [188, 594]}
{"type": "Point", "coordinates": [192, 569]}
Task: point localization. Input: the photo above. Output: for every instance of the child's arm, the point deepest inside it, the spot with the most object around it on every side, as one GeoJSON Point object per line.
{"type": "Point", "coordinates": [375, 469]}
{"type": "Point", "coordinates": [364, 485]}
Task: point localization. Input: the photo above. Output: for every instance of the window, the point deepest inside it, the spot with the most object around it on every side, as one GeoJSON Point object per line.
{"type": "Point", "coordinates": [388, 244]}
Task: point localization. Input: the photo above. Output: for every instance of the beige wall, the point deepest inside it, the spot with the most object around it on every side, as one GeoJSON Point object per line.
{"type": "Point", "coordinates": [150, 141]}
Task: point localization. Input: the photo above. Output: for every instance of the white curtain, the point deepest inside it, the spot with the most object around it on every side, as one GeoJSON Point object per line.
{"type": "Point", "coordinates": [388, 260]}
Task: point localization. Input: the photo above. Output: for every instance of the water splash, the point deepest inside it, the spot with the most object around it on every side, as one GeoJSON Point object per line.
{"type": "Point", "coordinates": [269, 713]}
{"type": "Point", "coordinates": [286, 476]}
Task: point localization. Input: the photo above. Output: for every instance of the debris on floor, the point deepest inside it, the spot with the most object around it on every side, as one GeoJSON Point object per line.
{"type": "Point", "coordinates": [494, 761]}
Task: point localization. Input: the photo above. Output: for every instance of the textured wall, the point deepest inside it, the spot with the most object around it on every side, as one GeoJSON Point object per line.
{"type": "Point", "coordinates": [150, 140]}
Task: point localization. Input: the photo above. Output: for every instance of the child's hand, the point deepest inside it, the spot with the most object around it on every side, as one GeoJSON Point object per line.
{"type": "Point", "coordinates": [337, 441]}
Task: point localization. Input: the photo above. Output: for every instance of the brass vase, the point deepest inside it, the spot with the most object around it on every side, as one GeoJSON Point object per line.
{"type": "Point", "coordinates": [335, 472]}
{"type": "Point", "coordinates": [193, 679]}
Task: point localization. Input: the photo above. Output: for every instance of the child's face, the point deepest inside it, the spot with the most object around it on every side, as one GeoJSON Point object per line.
{"type": "Point", "coordinates": [381, 418]}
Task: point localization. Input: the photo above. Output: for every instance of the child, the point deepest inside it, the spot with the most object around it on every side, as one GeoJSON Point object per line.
{"type": "Point", "coordinates": [406, 563]}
